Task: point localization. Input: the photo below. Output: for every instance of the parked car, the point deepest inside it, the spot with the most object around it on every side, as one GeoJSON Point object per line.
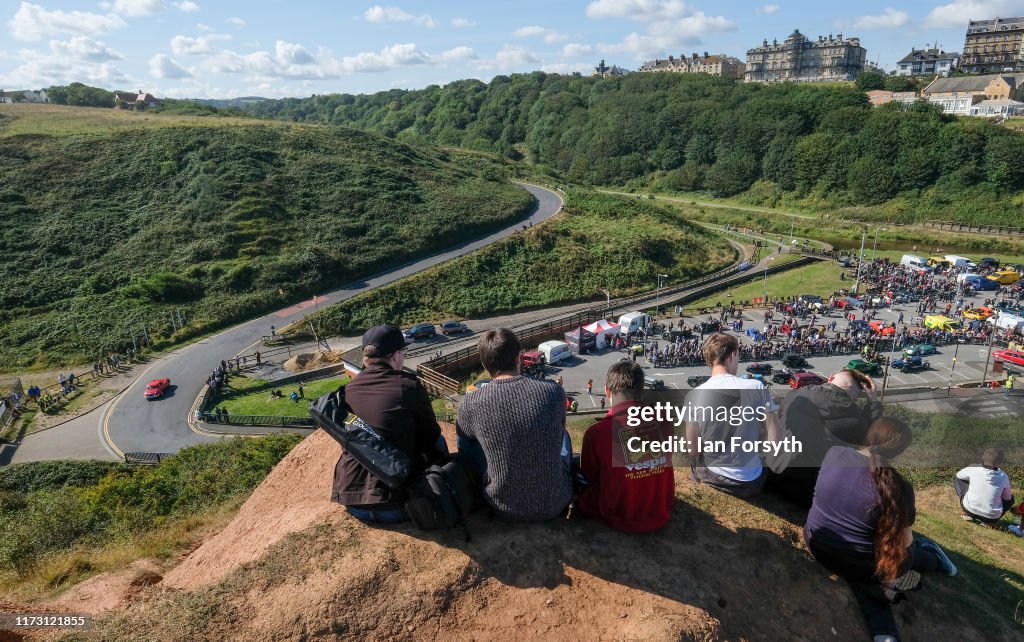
{"type": "Point", "coordinates": [476, 385]}
{"type": "Point", "coordinates": [865, 367]}
{"type": "Point", "coordinates": [881, 328]}
{"type": "Point", "coordinates": [453, 327]}
{"type": "Point", "coordinates": [860, 325]}
{"type": "Point", "coordinates": [810, 298]}
{"type": "Point", "coordinates": [989, 262]}
{"type": "Point", "coordinates": [1016, 357]}
{"type": "Point", "coordinates": [980, 313]}
{"type": "Point", "coordinates": [532, 362]}
{"type": "Point", "coordinates": [906, 364]}
{"type": "Point", "coordinates": [696, 380]}
{"type": "Point", "coordinates": [792, 360]}
{"type": "Point", "coordinates": [672, 335]}
{"type": "Point", "coordinates": [760, 368]}
{"type": "Point", "coordinates": [783, 375]}
{"type": "Point", "coordinates": [804, 379]}
{"type": "Point", "coordinates": [156, 388]}
{"type": "Point", "coordinates": [421, 331]}
{"type": "Point", "coordinates": [920, 349]}
{"type": "Point", "coordinates": [652, 383]}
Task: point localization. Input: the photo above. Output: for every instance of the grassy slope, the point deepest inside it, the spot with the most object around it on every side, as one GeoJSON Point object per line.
{"type": "Point", "coordinates": [598, 242]}
{"type": "Point", "coordinates": [111, 220]}
{"type": "Point", "coordinates": [252, 397]}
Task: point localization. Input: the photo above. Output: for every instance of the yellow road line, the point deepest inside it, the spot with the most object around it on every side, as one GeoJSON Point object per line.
{"type": "Point", "coordinates": [110, 410]}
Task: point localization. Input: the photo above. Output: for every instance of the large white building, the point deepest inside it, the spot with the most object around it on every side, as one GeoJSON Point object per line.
{"type": "Point", "coordinates": [800, 59]}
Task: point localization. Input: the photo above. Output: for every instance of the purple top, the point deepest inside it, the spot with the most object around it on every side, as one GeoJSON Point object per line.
{"type": "Point", "coordinates": [845, 508]}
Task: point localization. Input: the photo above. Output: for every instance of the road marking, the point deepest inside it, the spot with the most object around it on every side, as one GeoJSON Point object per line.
{"type": "Point", "coordinates": [107, 441]}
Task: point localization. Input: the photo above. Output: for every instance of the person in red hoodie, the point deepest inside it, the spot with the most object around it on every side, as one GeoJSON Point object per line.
{"type": "Point", "coordinates": [630, 492]}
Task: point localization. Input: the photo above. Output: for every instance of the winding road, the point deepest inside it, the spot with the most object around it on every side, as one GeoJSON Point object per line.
{"type": "Point", "coordinates": [130, 423]}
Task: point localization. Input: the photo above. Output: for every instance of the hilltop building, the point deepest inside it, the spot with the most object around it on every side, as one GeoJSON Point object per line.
{"type": "Point", "coordinates": [128, 100]}
{"type": "Point", "coordinates": [604, 71]}
{"type": "Point", "coordinates": [994, 46]}
{"type": "Point", "coordinates": [962, 94]}
{"type": "Point", "coordinates": [23, 96]}
{"type": "Point", "coordinates": [799, 59]}
{"type": "Point", "coordinates": [927, 62]}
{"type": "Point", "coordinates": [715, 65]}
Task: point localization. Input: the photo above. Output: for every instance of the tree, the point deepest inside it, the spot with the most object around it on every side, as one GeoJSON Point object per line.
{"type": "Point", "coordinates": [778, 164]}
{"type": "Point", "coordinates": [901, 83]}
{"type": "Point", "coordinates": [869, 80]}
{"type": "Point", "coordinates": [871, 180]}
{"type": "Point", "coordinates": [1004, 161]}
{"type": "Point", "coordinates": [732, 174]}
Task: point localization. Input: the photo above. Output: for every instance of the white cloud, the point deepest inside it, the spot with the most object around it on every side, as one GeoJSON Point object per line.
{"type": "Point", "coordinates": [891, 19]}
{"type": "Point", "coordinates": [516, 57]}
{"type": "Point", "coordinates": [137, 7]}
{"type": "Point", "coordinates": [462, 23]}
{"type": "Point", "coordinates": [670, 24]}
{"type": "Point", "coordinates": [639, 10]}
{"type": "Point", "coordinates": [459, 53]}
{"type": "Point", "coordinates": [85, 49]}
{"type": "Point", "coordinates": [957, 13]}
{"type": "Point", "coordinates": [399, 55]}
{"type": "Point", "coordinates": [162, 66]}
{"type": "Point", "coordinates": [66, 62]}
{"type": "Point", "coordinates": [550, 36]}
{"type": "Point", "coordinates": [235, 20]}
{"type": "Point", "coordinates": [379, 14]}
{"type": "Point", "coordinates": [768, 9]}
{"type": "Point", "coordinates": [187, 6]}
{"type": "Point", "coordinates": [567, 68]}
{"type": "Point", "coordinates": [32, 22]}
{"type": "Point", "coordinates": [203, 27]}
{"type": "Point", "coordinates": [576, 49]}
{"type": "Point", "coordinates": [292, 54]}
{"type": "Point", "coordinates": [200, 46]}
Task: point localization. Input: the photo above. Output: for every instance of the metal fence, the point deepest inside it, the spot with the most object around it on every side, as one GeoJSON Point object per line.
{"type": "Point", "coordinates": [259, 420]}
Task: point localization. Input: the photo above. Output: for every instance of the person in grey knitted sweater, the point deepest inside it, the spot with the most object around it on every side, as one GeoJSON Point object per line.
{"type": "Point", "coordinates": [514, 429]}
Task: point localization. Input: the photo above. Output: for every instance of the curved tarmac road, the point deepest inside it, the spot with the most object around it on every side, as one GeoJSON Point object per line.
{"type": "Point", "coordinates": [132, 424]}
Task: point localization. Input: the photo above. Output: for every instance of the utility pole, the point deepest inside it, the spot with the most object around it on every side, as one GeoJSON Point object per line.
{"type": "Point", "coordinates": [988, 357]}
{"type": "Point", "coordinates": [657, 300]}
{"type": "Point", "coordinates": [863, 238]}
{"type": "Point", "coordinates": [173, 325]}
{"type": "Point", "coordinates": [949, 385]}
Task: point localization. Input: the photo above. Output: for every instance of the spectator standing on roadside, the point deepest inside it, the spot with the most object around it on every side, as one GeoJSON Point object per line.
{"type": "Point", "coordinates": [302, 392]}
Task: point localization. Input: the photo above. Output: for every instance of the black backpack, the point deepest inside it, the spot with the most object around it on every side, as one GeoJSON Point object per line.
{"type": "Point", "coordinates": [384, 461]}
{"type": "Point", "coordinates": [442, 497]}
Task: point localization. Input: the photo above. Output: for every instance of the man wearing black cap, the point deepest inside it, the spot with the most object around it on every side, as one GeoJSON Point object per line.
{"type": "Point", "coordinates": [395, 404]}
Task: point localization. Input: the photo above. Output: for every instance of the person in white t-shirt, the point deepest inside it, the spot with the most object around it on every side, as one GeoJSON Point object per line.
{"type": "Point", "coordinates": [717, 454]}
{"type": "Point", "coordinates": [984, 490]}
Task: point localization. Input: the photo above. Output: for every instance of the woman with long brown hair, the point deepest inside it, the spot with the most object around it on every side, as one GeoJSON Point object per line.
{"type": "Point", "coordinates": [861, 525]}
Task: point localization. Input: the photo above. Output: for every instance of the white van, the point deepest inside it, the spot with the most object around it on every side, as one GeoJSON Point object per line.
{"type": "Point", "coordinates": [633, 321]}
{"type": "Point", "coordinates": [968, 276]}
{"type": "Point", "coordinates": [1006, 321]}
{"type": "Point", "coordinates": [913, 260]}
{"type": "Point", "coordinates": [958, 261]}
{"type": "Point", "coordinates": [555, 351]}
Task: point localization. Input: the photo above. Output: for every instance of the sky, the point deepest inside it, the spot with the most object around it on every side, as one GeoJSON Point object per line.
{"type": "Point", "coordinates": [277, 48]}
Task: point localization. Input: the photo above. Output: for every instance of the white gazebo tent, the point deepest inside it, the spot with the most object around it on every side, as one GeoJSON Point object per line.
{"type": "Point", "coordinates": [603, 328]}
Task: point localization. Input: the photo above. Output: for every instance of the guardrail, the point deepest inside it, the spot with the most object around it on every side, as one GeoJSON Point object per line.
{"type": "Point", "coordinates": [260, 420]}
{"type": "Point", "coordinates": [145, 459]}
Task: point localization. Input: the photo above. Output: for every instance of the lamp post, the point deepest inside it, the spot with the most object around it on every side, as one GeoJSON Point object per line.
{"type": "Point", "coordinates": [863, 238]}
{"type": "Point", "coordinates": [956, 351]}
{"type": "Point", "coordinates": [607, 301]}
{"type": "Point", "coordinates": [875, 246]}
{"type": "Point", "coordinates": [892, 355]}
{"type": "Point", "coordinates": [657, 300]}
{"type": "Point", "coordinates": [764, 292]}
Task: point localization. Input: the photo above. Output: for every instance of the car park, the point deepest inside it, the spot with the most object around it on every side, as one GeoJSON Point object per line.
{"type": "Point", "coordinates": [907, 364]}
{"type": "Point", "coordinates": [792, 360]}
{"type": "Point", "coordinates": [919, 350]}
{"type": "Point", "coordinates": [156, 388]}
{"type": "Point", "coordinates": [1016, 357]}
{"type": "Point", "coordinates": [804, 379]}
{"type": "Point", "coordinates": [759, 368]}
{"type": "Point", "coordinates": [454, 327]}
{"type": "Point", "coordinates": [420, 331]}
{"type": "Point", "coordinates": [864, 367]}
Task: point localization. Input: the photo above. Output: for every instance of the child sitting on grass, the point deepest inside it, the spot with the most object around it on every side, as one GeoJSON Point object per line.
{"type": "Point", "coordinates": [984, 490]}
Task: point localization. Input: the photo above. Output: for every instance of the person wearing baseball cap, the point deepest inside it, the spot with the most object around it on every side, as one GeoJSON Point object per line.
{"type": "Point", "coordinates": [396, 405]}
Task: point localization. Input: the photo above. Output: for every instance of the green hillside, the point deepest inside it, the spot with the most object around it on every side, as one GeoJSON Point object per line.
{"type": "Point", "coordinates": [109, 224]}
{"type": "Point", "coordinates": [599, 241]}
{"type": "Point", "coordinates": [810, 146]}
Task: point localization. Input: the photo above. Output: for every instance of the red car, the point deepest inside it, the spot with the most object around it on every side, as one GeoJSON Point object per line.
{"type": "Point", "coordinates": [804, 379]}
{"type": "Point", "coordinates": [157, 388]}
{"type": "Point", "coordinates": [1016, 357]}
{"type": "Point", "coordinates": [882, 329]}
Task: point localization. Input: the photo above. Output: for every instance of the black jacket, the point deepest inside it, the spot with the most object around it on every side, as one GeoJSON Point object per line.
{"type": "Point", "coordinates": [396, 405]}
